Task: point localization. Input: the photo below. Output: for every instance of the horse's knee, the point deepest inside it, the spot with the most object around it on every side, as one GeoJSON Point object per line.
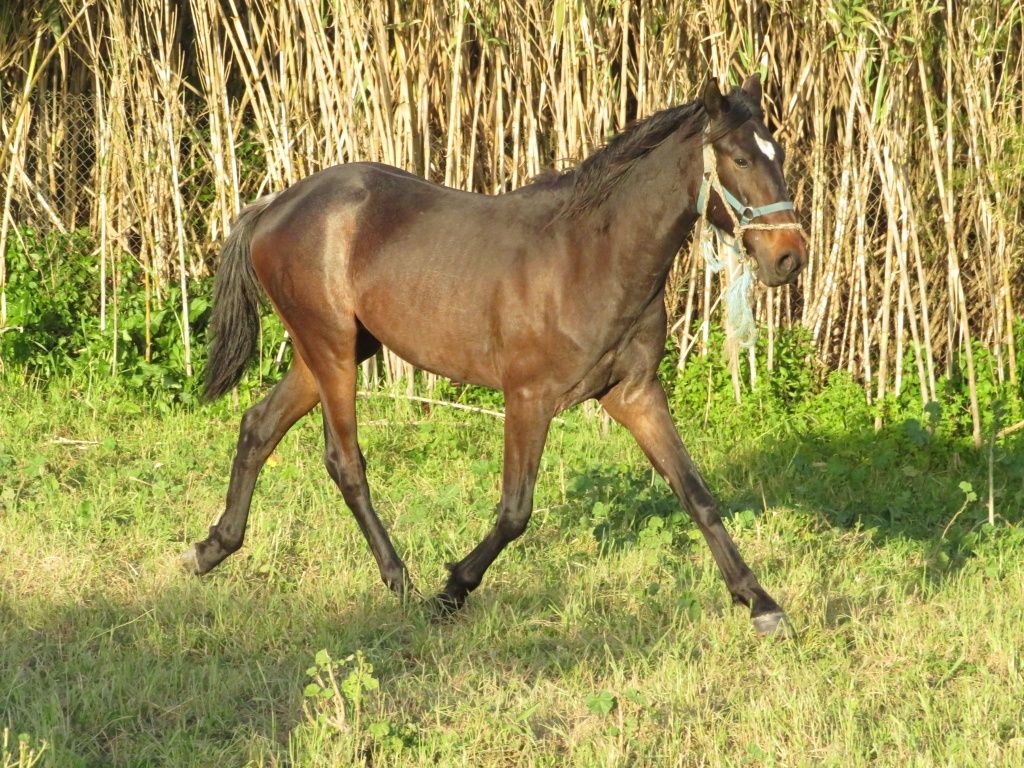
{"type": "Point", "coordinates": [332, 460]}
{"type": "Point", "coordinates": [349, 476]}
{"type": "Point", "coordinates": [512, 522]}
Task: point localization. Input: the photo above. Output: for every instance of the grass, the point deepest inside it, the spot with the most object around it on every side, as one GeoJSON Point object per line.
{"type": "Point", "coordinates": [604, 637]}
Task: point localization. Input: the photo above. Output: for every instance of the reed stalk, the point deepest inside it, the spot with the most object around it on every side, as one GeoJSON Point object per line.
{"type": "Point", "coordinates": [901, 123]}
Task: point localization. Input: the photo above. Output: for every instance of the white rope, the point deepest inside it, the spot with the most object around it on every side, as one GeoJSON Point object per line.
{"type": "Point", "coordinates": [739, 282]}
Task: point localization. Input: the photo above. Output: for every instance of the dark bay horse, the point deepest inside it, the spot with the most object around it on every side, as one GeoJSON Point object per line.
{"type": "Point", "coordinates": [553, 293]}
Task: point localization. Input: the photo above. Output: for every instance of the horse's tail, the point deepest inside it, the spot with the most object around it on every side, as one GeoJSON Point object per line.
{"type": "Point", "coordinates": [235, 326]}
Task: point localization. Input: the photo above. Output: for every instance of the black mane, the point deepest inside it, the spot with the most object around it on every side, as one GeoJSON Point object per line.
{"type": "Point", "coordinates": [595, 178]}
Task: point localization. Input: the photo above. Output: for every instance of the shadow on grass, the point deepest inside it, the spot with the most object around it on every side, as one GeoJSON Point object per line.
{"type": "Point", "coordinates": [203, 673]}
{"type": "Point", "coordinates": [213, 671]}
{"type": "Point", "coordinates": [902, 482]}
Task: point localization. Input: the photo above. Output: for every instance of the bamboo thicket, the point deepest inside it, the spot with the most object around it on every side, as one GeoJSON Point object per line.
{"type": "Point", "coordinates": [151, 122]}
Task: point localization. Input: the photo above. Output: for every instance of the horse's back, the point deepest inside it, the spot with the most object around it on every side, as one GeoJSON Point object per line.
{"type": "Point", "coordinates": [369, 206]}
{"type": "Point", "coordinates": [419, 265]}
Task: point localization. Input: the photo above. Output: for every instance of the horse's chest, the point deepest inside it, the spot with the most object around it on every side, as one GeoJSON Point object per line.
{"type": "Point", "coordinates": [634, 352]}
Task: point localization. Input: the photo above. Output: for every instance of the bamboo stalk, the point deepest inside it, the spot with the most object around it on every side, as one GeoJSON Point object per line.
{"type": "Point", "coordinates": [485, 99]}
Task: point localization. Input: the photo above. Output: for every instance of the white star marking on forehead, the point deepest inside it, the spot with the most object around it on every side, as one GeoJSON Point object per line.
{"type": "Point", "coordinates": [765, 146]}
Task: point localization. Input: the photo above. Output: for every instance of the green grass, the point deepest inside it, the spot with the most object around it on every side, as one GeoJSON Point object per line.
{"type": "Point", "coordinates": [603, 637]}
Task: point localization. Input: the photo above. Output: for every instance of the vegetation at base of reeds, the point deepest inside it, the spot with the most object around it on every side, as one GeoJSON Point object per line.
{"type": "Point", "coordinates": [148, 123]}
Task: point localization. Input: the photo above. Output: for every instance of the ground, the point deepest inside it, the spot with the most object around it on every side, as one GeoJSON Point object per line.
{"type": "Point", "coordinates": [604, 637]}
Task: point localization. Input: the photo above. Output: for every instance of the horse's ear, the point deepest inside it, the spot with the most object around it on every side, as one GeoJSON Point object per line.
{"type": "Point", "coordinates": [714, 101]}
{"type": "Point", "coordinates": [752, 87]}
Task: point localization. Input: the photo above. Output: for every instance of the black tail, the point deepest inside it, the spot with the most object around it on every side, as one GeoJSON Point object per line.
{"type": "Point", "coordinates": [235, 326]}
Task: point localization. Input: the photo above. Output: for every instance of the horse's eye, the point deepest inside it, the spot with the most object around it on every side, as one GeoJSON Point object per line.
{"type": "Point", "coordinates": [741, 162]}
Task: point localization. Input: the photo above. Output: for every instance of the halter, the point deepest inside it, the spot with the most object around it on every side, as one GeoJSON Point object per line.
{"type": "Point", "coordinates": [737, 295]}
{"type": "Point", "coordinates": [746, 213]}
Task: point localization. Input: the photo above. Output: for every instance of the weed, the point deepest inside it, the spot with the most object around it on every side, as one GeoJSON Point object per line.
{"type": "Point", "coordinates": [24, 755]}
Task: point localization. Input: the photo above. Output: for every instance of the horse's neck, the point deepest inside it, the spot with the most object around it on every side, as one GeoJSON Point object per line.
{"type": "Point", "coordinates": [650, 215]}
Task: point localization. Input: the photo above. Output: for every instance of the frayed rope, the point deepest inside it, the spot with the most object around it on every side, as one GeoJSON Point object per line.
{"type": "Point", "coordinates": [742, 327]}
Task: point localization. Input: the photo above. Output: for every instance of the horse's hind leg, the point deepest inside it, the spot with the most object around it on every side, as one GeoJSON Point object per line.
{"type": "Point", "coordinates": [262, 428]}
{"type": "Point", "coordinates": [344, 459]}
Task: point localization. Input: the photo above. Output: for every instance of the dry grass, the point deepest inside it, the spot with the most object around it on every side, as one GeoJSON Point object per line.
{"type": "Point", "coordinates": [150, 122]}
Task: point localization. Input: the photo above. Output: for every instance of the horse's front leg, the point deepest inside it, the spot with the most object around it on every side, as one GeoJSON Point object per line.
{"type": "Point", "coordinates": [526, 427]}
{"type": "Point", "coordinates": [642, 408]}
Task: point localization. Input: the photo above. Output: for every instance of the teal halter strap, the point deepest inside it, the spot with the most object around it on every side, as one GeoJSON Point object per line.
{"type": "Point", "coordinates": [740, 284]}
{"type": "Point", "coordinates": [746, 213]}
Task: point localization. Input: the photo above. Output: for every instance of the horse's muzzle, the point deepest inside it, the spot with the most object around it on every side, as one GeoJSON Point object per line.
{"type": "Point", "coordinates": [781, 258]}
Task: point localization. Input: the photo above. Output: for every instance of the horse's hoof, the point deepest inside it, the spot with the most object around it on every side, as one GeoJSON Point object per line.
{"type": "Point", "coordinates": [773, 624]}
{"type": "Point", "coordinates": [444, 606]}
{"type": "Point", "coordinates": [189, 561]}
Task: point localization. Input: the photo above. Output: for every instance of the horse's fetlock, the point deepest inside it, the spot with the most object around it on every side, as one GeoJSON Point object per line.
{"type": "Point", "coordinates": [460, 580]}
{"type": "Point", "coordinates": [395, 578]}
{"type": "Point", "coordinates": [229, 542]}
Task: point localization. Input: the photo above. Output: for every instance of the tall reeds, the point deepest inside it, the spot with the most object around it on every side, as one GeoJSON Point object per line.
{"type": "Point", "coordinates": [151, 122]}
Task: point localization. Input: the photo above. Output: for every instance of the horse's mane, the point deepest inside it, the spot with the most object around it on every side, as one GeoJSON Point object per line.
{"type": "Point", "coordinates": [595, 178]}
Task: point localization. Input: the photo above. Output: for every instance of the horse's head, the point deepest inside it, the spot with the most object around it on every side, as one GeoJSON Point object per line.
{"type": "Point", "coordinates": [744, 191]}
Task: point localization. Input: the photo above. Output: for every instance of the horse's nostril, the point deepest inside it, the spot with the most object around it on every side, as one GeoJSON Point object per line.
{"type": "Point", "coordinates": [786, 263]}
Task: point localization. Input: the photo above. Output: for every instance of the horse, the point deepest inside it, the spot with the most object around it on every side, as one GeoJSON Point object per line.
{"type": "Point", "coordinates": [552, 293]}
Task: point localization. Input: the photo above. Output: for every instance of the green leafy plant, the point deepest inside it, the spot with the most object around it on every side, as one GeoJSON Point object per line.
{"type": "Point", "coordinates": [602, 703]}
{"type": "Point", "coordinates": [336, 701]}
{"type": "Point", "coordinates": [342, 685]}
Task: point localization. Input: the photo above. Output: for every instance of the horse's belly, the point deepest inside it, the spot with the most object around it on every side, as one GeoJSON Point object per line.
{"type": "Point", "coordinates": [432, 332]}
